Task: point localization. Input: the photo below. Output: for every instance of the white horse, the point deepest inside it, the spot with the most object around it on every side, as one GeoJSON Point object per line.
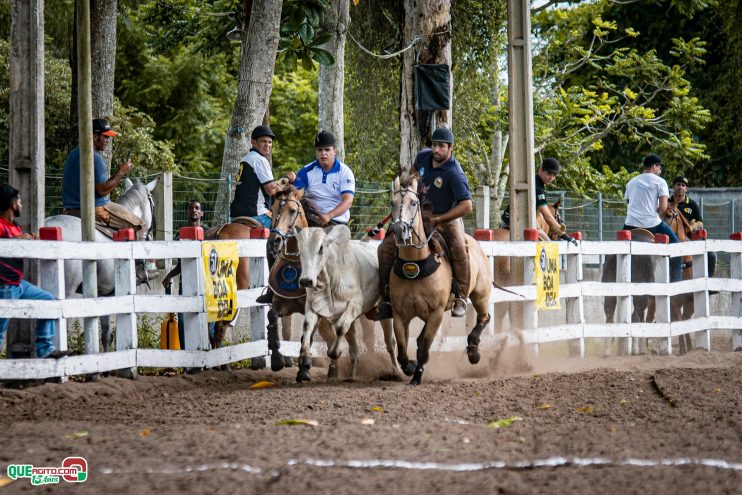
{"type": "Point", "coordinates": [138, 199]}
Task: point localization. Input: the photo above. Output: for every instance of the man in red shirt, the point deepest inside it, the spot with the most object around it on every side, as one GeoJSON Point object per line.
{"type": "Point", "coordinates": [12, 285]}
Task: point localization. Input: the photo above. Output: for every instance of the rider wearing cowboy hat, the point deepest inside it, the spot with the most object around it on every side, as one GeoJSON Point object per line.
{"type": "Point", "coordinates": [450, 196]}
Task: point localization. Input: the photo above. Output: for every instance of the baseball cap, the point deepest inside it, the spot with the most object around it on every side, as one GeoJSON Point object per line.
{"type": "Point", "coordinates": [680, 178]}
{"type": "Point", "coordinates": [442, 135]}
{"type": "Point", "coordinates": [101, 126]}
{"type": "Point", "coordinates": [651, 159]}
{"type": "Point", "coordinates": [551, 165]}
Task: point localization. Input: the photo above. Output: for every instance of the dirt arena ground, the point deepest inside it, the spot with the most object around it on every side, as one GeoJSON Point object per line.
{"type": "Point", "coordinates": [648, 424]}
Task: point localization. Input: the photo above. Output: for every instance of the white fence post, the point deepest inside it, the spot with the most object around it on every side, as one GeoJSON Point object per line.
{"type": "Point", "coordinates": [701, 298]}
{"type": "Point", "coordinates": [624, 303]}
{"type": "Point", "coordinates": [662, 307]}
{"type": "Point", "coordinates": [126, 323]}
{"type": "Point", "coordinates": [575, 308]}
{"type": "Point", "coordinates": [195, 325]}
{"type": "Point", "coordinates": [258, 314]}
{"type": "Point", "coordinates": [735, 269]}
{"type": "Point", "coordinates": [51, 279]}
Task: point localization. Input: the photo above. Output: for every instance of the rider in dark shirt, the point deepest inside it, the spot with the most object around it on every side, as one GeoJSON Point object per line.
{"type": "Point", "coordinates": [691, 212]}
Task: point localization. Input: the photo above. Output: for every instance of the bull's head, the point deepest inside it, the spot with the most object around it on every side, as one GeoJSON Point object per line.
{"type": "Point", "coordinates": [318, 248]}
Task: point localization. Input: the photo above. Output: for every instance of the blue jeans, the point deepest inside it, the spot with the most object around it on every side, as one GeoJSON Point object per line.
{"type": "Point", "coordinates": [44, 328]}
{"type": "Point", "coordinates": [264, 219]}
{"type": "Point", "coordinates": [676, 270]}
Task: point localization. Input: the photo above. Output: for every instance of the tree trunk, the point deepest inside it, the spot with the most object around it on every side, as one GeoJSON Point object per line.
{"type": "Point", "coordinates": [332, 79]}
{"type": "Point", "coordinates": [103, 66]}
{"type": "Point", "coordinates": [430, 19]}
{"type": "Point", "coordinates": [257, 61]}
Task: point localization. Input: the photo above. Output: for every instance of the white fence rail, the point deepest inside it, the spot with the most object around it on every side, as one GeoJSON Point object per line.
{"type": "Point", "coordinates": [126, 303]}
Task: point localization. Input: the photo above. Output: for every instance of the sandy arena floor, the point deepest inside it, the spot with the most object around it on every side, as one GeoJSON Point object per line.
{"type": "Point", "coordinates": [648, 424]}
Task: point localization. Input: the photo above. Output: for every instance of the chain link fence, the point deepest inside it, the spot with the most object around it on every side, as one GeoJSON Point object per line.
{"type": "Point", "coordinates": [598, 218]}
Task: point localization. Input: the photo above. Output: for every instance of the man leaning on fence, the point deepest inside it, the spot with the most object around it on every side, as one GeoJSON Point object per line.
{"type": "Point", "coordinates": [12, 285]}
{"type": "Point", "coordinates": [647, 195]}
{"type": "Point", "coordinates": [690, 210]}
{"type": "Point", "coordinates": [107, 213]}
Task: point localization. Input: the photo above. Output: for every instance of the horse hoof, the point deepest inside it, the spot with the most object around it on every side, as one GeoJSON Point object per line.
{"type": "Point", "coordinates": [288, 362]}
{"type": "Point", "coordinates": [303, 376]}
{"type": "Point", "coordinates": [409, 368]}
{"type": "Point", "coordinates": [277, 362]}
{"type": "Point", "coordinates": [417, 379]}
{"type": "Point", "coordinates": [472, 352]}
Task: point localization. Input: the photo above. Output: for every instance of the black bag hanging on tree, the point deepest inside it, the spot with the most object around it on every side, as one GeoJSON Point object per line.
{"type": "Point", "coordinates": [432, 87]}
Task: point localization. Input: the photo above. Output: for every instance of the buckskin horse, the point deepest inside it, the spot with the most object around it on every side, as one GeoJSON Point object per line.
{"type": "Point", "coordinates": [291, 211]}
{"type": "Point", "coordinates": [424, 288]}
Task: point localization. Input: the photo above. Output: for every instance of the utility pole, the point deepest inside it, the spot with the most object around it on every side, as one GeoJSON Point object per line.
{"type": "Point", "coordinates": [27, 156]}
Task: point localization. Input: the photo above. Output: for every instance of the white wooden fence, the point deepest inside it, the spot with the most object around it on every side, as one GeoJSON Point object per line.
{"type": "Point", "coordinates": [126, 303]}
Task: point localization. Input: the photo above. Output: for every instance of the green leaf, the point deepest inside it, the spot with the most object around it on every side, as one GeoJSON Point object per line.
{"type": "Point", "coordinates": [322, 56]}
{"type": "Point", "coordinates": [500, 423]}
{"type": "Point", "coordinates": [321, 39]}
{"type": "Point", "coordinates": [306, 62]}
{"type": "Point", "coordinates": [306, 33]}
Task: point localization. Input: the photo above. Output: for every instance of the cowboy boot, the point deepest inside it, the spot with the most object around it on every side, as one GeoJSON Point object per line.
{"type": "Point", "coordinates": [460, 266]}
{"type": "Point", "coordinates": [386, 254]}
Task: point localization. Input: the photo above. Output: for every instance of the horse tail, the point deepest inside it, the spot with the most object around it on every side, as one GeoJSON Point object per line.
{"type": "Point", "coordinates": [498, 286]}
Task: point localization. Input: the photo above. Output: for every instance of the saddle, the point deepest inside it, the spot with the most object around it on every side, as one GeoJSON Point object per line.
{"type": "Point", "coordinates": [213, 232]}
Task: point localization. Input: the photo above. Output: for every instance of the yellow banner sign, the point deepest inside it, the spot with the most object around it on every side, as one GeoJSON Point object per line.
{"type": "Point", "coordinates": [220, 277]}
{"type": "Point", "coordinates": [546, 275]}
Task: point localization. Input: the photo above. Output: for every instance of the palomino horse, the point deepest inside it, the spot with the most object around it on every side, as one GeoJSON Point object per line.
{"type": "Point", "coordinates": [423, 286]}
{"type": "Point", "coordinates": [292, 211]}
{"type": "Point", "coordinates": [683, 305]}
{"type": "Point", "coordinates": [138, 199]}
{"type": "Point", "coordinates": [503, 276]}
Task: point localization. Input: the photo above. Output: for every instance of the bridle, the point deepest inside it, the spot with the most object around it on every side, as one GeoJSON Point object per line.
{"type": "Point", "coordinates": [409, 225]}
{"type": "Point", "coordinates": [291, 231]}
{"type": "Point", "coordinates": [152, 223]}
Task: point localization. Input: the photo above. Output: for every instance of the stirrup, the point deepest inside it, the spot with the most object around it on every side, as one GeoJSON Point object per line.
{"type": "Point", "coordinates": [459, 307]}
{"type": "Point", "coordinates": [383, 311]}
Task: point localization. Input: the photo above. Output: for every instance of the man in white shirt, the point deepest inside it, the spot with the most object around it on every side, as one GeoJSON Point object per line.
{"type": "Point", "coordinates": [647, 195]}
{"type": "Point", "coordinates": [328, 182]}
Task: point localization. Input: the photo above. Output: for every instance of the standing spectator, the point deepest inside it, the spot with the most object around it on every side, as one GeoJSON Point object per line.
{"type": "Point", "coordinates": [12, 285]}
{"type": "Point", "coordinates": [692, 213]}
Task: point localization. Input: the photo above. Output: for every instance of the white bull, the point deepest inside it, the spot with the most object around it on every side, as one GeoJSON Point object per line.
{"type": "Point", "coordinates": [342, 282]}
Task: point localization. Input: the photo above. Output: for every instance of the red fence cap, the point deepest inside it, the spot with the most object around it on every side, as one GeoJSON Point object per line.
{"type": "Point", "coordinates": [699, 235]}
{"type": "Point", "coordinates": [50, 233]}
{"type": "Point", "coordinates": [484, 234]}
{"type": "Point", "coordinates": [577, 235]}
{"type": "Point", "coordinates": [530, 234]}
{"type": "Point", "coordinates": [623, 235]}
{"type": "Point", "coordinates": [661, 238]}
{"type": "Point", "coordinates": [737, 236]}
{"type": "Point", "coordinates": [191, 234]}
{"type": "Point", "coordinates": [123, 235]}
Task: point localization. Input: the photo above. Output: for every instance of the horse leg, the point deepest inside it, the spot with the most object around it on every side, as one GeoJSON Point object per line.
{"type": "Point", "coordinates": [401, 333]}
{"type": "Point", "coordinates": [424, 341]}
{"type": "Point", "coordinates": [286, 334]}
{"type": "Point", "coordinates": [106, 336]}
{"type": "Point", "coordinates": [386, 325]}
{"type": "Point", "coordinates": [369, 336]}
{"type": "Point", "coordinates": [274, 344]}
{"type": "Point", "coordinates": [480, 301]}
{"type": "Point", "coordinates": [305, 354]}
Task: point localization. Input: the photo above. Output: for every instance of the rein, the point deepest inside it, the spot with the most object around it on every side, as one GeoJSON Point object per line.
{"type": "Point", "coordinates": [423, 240]}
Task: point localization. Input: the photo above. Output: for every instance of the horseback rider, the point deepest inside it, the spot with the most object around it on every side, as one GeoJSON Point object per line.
{"type": "Point", "coordinates": [690, 210]}
{"type": "Point", "coordinates": [255, 182]}
{"type": "Point", "coordinates": [450, 196]}
{"type": "Point", "coordinates": [647, 195]}
{"type": "Point", "coordinates": [546, 174]}
{"type": "Point", "coordinates": [329, 182]}
{"type": "Point", "coordinates": [107, 213]}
